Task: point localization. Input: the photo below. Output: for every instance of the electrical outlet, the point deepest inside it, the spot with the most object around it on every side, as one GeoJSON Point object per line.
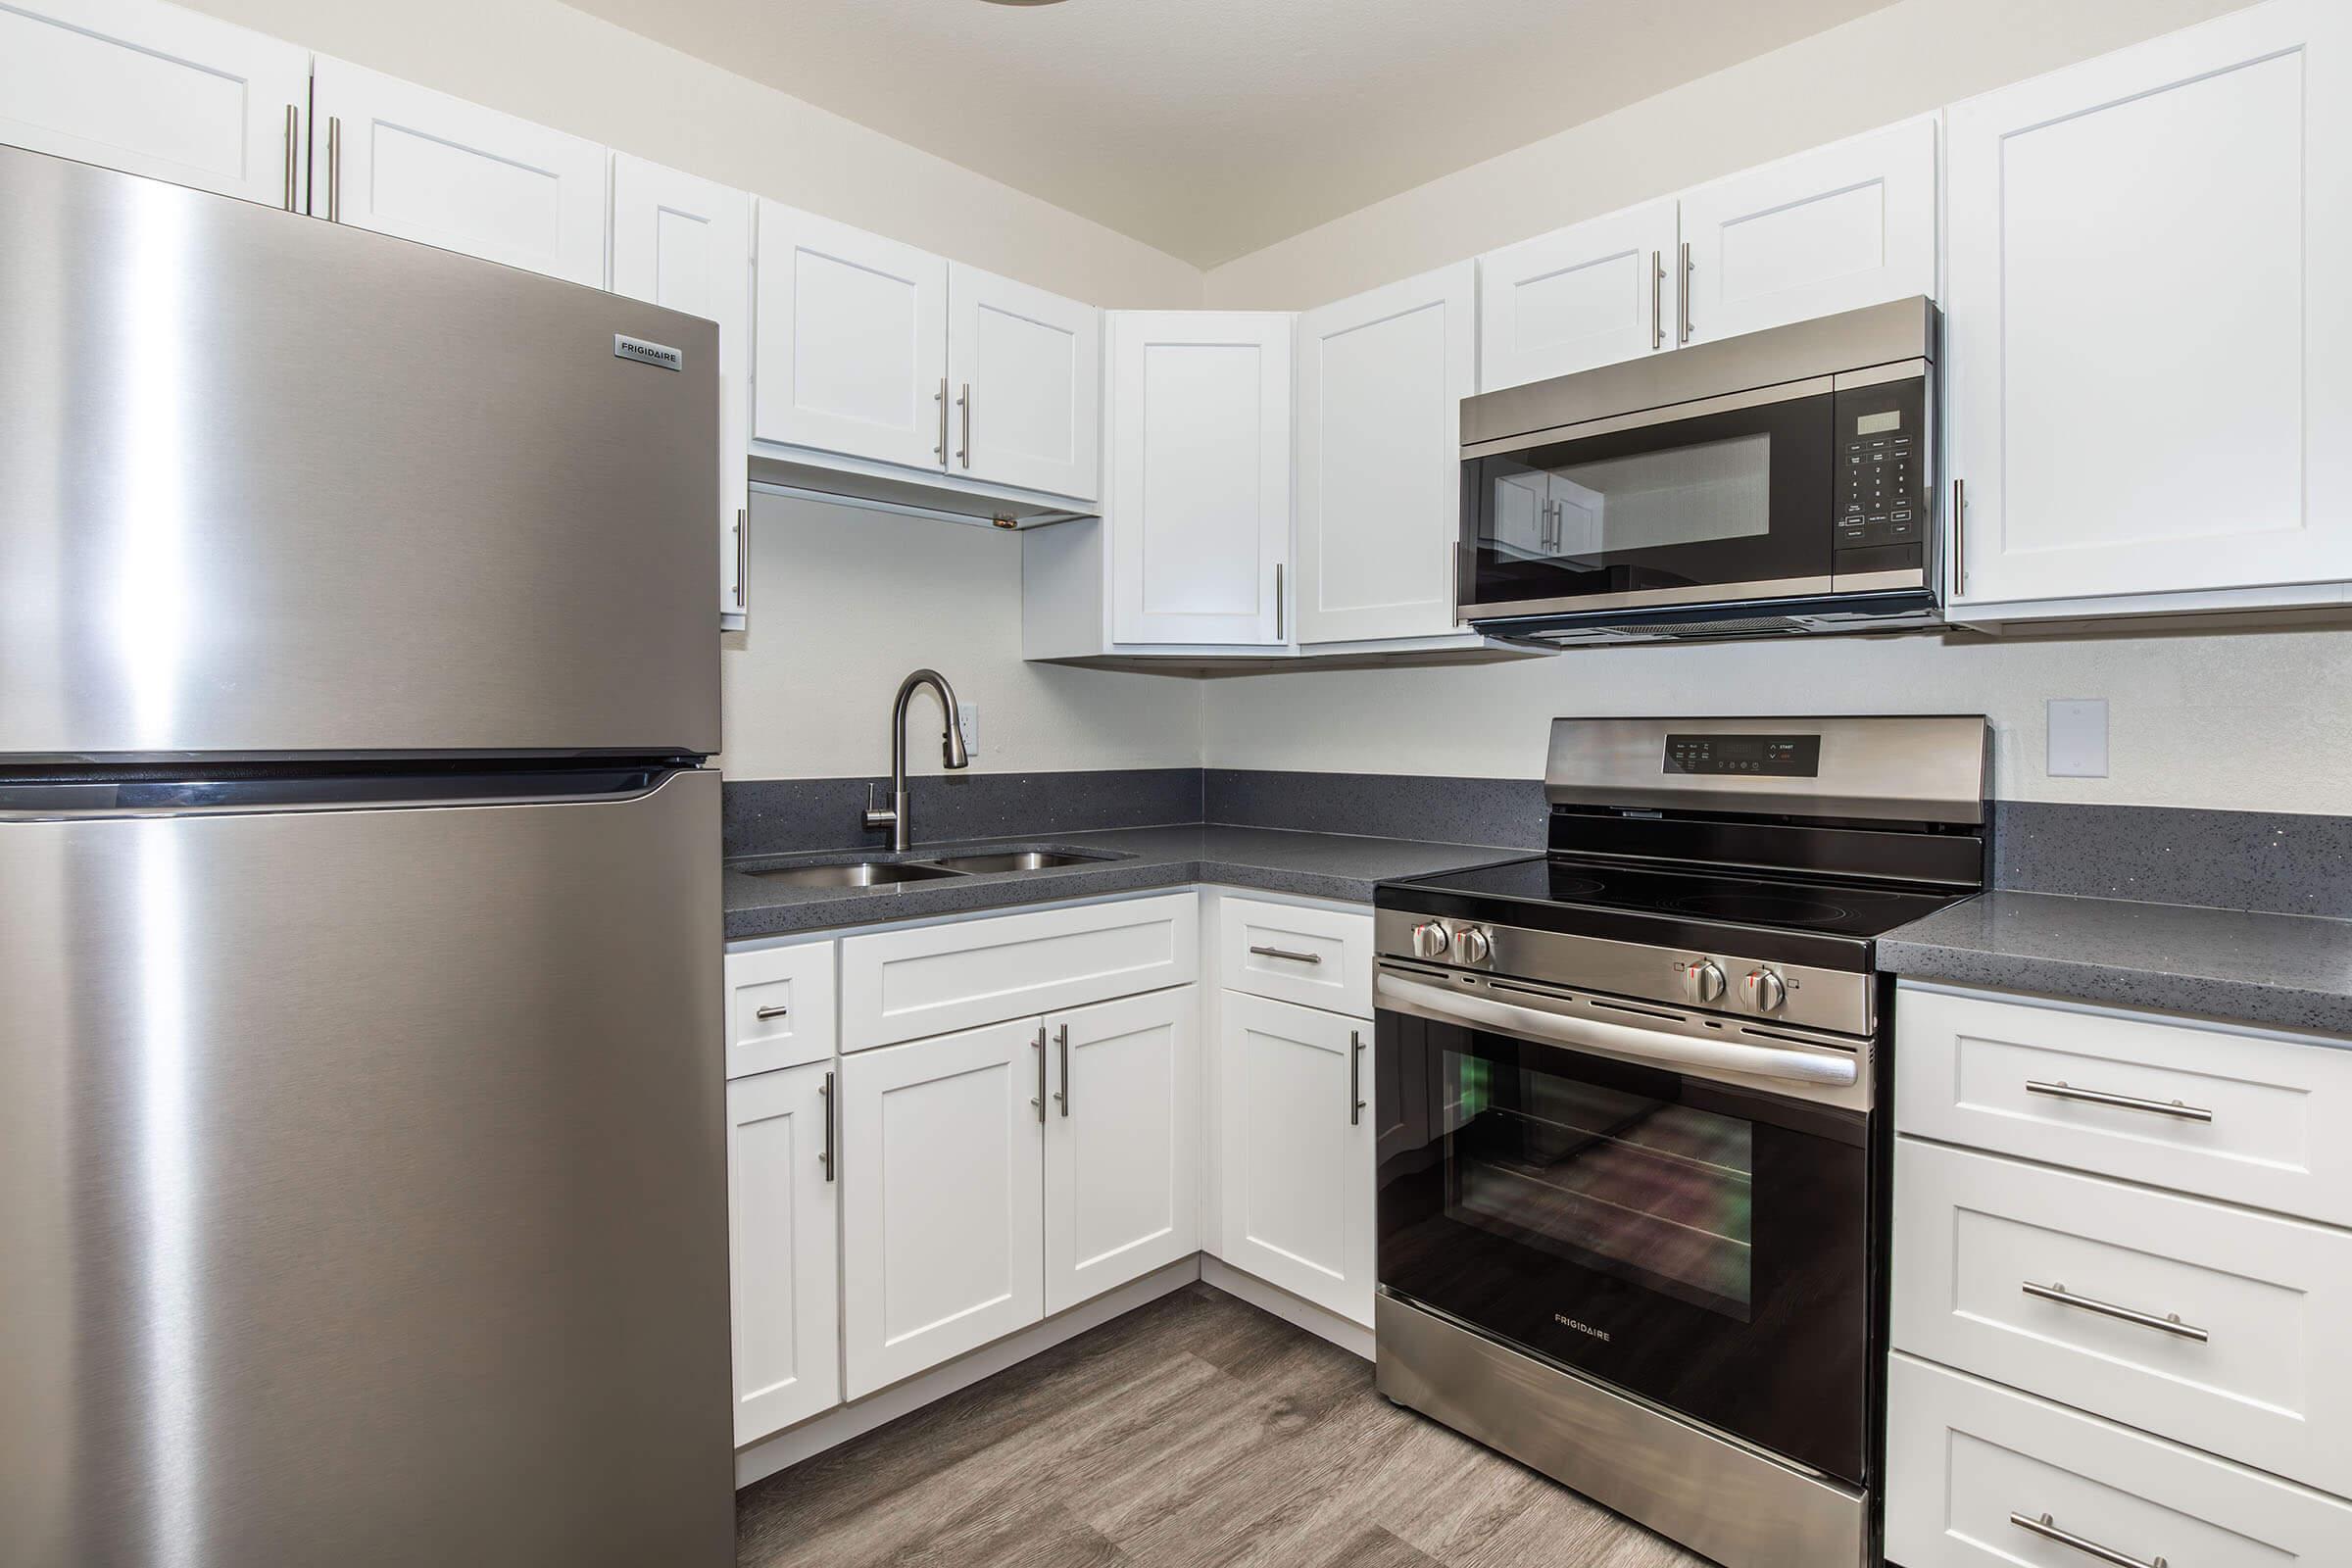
{"type": "Point", "coordinates": [2077, 746]}
{"type": "Point", "coordinates": [967, 719]}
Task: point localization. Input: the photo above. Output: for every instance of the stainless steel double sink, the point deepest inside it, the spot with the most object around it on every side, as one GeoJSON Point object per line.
{"type": "Point", "coordinates": [890, 874]}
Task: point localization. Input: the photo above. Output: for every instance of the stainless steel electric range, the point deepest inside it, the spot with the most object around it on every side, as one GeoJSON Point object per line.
{"type": "Point", "coordinates": [1634, 1155]}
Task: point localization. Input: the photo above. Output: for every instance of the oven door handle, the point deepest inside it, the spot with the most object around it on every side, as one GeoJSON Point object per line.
{"type": "Point", "coordinates": [1835, 1069]}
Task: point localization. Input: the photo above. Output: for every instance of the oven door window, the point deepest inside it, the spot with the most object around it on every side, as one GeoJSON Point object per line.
{"type": "Point", "coordinates": [1717, 500]}
{"type": "Point", "coordinates": [1700, 1246]}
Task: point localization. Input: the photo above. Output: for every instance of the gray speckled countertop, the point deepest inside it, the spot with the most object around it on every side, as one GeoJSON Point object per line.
{"type": "Point", "coordinates": [1328, 865]}
{"type": "Point", "coordinates": [2291, 972]}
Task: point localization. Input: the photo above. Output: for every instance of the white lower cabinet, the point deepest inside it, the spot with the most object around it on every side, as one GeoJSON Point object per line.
{"type": "Point", "coordinates": [943, 1197]}
{"type": "Point", "coordinates": [1296, 1128]}
{"type": "Point", "coordinates": [783, 1247]}
{"type": "Point", "coordinates": [1978, 1476]}
{"type": "Point", "coordinates": [1122, 1142]}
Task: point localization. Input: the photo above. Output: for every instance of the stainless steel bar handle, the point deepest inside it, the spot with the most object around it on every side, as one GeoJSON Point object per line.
{"type": "Point", "coordinates": [743, 559]}
{"type": "Point", "coordinates": [2098, 1096]}
{"type": "Point", "coordinates": [1355, 1077]}
{"type": "Point", "coordinates": [1062, 1038]}
{"type": "Point", "coordinates": [941, 450]}
{"type": "Point", "coordinates": [1278, 601]}
{"type": "Point", "coordinates": [1038, 1046]}
{"type": "Point", "coordinates": [334, 168]}
{"type": "Point", "coordinates": [2048, 1530]}
{"type": "Point", "coordinates": [1285, 952]}
{"type": "Point", "coordinates": [293, 131]}
{"type": "Point", "coordinates": [765, 1013]}
{"type": "Point", "coordinates": [1960, 536]}
{"type": "Point", "coordinates": [2171, 1323]}
{"type": "Point", "coordinates": [963, 401]}
{"type": "Point", "coordinates": [826, 1158]}
{"type": "Point", "coordinates": [1658, 286]}
{"type": "Point", "coordinates": [1684, 304]}
{"type": "Point", "coordinates": [1834, 1068]}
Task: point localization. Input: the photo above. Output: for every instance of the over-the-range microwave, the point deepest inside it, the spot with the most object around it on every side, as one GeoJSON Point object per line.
{"type": "Point", "coordinates": [1783, 481]}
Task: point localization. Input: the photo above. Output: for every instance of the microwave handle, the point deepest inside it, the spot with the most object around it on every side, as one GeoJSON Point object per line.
{"type": "Point", "coordinates": [1835, 1069]}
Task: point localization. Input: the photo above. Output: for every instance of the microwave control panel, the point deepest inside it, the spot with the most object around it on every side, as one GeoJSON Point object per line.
{"type": "Point", "coordinates": [1884, 480]}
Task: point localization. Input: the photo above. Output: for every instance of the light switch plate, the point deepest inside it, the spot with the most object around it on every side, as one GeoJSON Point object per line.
{"type": "Point", "coordinates": [2077, 737]}
{"type": "Point", "coordinates": [967, 719]}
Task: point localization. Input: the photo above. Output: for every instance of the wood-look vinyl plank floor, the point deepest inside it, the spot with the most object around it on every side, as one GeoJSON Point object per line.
{"type": "Point", "coordinates": [1197, 1432]}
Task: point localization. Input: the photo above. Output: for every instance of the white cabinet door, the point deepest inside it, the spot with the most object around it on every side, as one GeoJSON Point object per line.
{"type": "Point", "coordinates": [1834, 229]}
{"type": "Point", "coordinates": [2145, 316]}
{"type": "Point", "coordinates": [681, 241]}
{"type": "Point", "coordinates": [1591, 294]}
{"type": "Point", "coordinates": [1199, 511]}
{"type": "Point", "coordinates": [1381, 383]}
{"type": "Point", "coordinates": [784, 1248]}
{"type": "Point", "coordinates": [155, 90]}
{"type": "Point", "coordinates": [1025, 374]}
{"type": "Point", "coordinates": [943, 1197]}
{"type": "Point", "coordinates": [1298, 1123]}
{"type": "Point", "coordinates": [404, 160]}
{"type": "Point", "coordinates": [853, 351]}
{"type": "Point", "coordinates": [1122, 1142]}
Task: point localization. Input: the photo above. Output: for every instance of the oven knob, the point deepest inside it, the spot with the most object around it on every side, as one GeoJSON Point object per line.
{"type": "Point", "coordinates": [1766, 991]}
{"type": "Point", "coordinates": [1703, 982]}
{"type": "Point", "coordinates": [1432, 940]}
{"type": "Point", "coordinates": [1472, 944]}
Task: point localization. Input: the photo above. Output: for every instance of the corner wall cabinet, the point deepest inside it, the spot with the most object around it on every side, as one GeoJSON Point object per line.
{"type": "Point", "coordinates": [2145, 335]}
{"type": "Point", "coordinates": [685, 243]}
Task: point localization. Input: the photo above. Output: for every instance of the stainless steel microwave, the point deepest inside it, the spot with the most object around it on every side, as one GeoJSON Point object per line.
{"type": "Point", "coordinates": [1783, 481]}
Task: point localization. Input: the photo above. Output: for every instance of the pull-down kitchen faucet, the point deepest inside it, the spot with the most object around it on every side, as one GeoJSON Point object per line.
{"type": "Point", "coordinates": [894, 815]}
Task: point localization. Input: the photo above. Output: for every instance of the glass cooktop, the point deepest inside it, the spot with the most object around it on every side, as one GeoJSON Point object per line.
{"type": "Point", "coordinates": [1742, 898]}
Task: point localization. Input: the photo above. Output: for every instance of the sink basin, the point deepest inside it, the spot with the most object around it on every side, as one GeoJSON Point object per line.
{"type": "Point", "coordinates": [855, 875]}
{"type": "Point", "coordinates": [1015, 861]}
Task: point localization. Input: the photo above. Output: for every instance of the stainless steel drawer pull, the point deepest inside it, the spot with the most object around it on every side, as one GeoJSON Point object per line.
{"type": "Point", "coordinates": [2096, 1096]}
{"type": "Point", "coordinates": [1355, 1077]}
{"type": "Point", "coordinates": [1285, 952]}
{"type": "Point", "coordinates": [765, 1013]}
{"type": "Point", "coordinates": [1038, 1046]}
{"type": "Point", "coordinates": [826, 1158]}
{"type": "Point", "coordinates": [1062, 1041]}
{"type": "Point", "coordinates": [2169, 1324]}
{"type": "Point", "coordinates": [2048, 1530]}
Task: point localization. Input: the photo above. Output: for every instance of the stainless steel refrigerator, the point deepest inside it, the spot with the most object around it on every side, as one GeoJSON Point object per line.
{"type": "Point", "coordinates": [362, 1152]}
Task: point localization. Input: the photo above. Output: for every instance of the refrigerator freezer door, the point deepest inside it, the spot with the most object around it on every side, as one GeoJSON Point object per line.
{"type": "Point", "coordinates": [362, 1193]}
{"type": "Point", "coordinates": [271, 486]}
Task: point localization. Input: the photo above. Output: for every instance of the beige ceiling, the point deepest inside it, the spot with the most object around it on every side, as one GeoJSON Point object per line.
{"type": "Point", "coordinates": [1212, 127]}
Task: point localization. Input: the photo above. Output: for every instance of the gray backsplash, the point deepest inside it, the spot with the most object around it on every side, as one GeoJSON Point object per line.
{"type": "Point", "coordinates": [2278, 862]}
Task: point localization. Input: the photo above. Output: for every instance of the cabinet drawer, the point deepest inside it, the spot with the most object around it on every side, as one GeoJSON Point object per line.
{"type": "Point", "coordinates": [2257, 1120]}
{"type": "Point", "coordinates": [2271, 1380]}
{"type": "Point", "coordinates": [1314, 957]}
{"type": "Point", "coordinates": [780, 1010]}
{"type": "Point", "coordinates": [1963, 1456]}
{"type": "Point", "coordinates": [903, 985]}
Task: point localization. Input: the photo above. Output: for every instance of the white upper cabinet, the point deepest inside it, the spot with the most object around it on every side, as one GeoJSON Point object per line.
{"type": "Point", "coordinates": [152, 89]}
{"type": "Point", "coordinates": [2146, 322]}
{"type": "Point", "coordinates": [1200, 502]}
{"type": "Point", "coordinates": [1832, 230]}
{"type": "Point", "coordinates": [1380, 379]}
{"type": "Point", "coordinates": [1122, 1142]}
{"type": "Point", "coordinates": [1592, 294]}
{"type": "Point", "coordinates": [853, 352]}
{"type": "Point", "coordinates": [783, 1247]}
{"type": "Point", "coordinates": [404, 160]}
{"type": "Point", "coordinates": [683, 242]}
{"type": "Point", "coordinates": [1025, 370]}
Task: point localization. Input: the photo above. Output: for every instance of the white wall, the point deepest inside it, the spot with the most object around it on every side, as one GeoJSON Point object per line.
{"type": "Point", "coordinates": [1909, 58]}
{"type": "Point", "coordinates": [2246, 720]}
{"type": "Point", "coordinates": [845, 603]}
{"type": "Point", "coordinates": [563, 67]}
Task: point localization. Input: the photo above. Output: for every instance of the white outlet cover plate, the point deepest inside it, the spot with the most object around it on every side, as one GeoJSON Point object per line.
{"type": "Point", "coordinates": [2077, 737]}
{"type": "Point", "coordinates": [967, 719]}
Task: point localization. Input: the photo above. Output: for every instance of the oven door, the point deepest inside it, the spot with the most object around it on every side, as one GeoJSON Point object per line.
{"type": "Point", "coordinates": [1697, 1242]}
{"type": "Point", "coordinates": [1724, 501]}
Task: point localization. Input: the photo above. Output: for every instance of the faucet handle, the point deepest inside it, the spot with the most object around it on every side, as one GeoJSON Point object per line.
{"type": "Point", "coordinates": [877, 816]}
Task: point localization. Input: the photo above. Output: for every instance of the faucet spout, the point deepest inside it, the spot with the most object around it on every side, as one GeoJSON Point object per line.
{"type": "Point", "coordinates": [952, 752]}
